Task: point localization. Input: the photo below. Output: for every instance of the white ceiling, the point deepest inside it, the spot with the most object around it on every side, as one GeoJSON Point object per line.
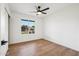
{"type": "Point", "coordinates": [28, 8]}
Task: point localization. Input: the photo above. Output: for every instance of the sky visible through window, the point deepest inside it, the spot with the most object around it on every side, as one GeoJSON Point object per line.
{"type": "Point", "coordinates": [27, 22]}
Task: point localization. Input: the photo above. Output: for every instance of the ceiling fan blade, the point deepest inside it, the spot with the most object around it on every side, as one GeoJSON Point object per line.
{"type": "Point", "coordinates": [44, 13]}
{"type": "Point", "coordinates": [45, 9]}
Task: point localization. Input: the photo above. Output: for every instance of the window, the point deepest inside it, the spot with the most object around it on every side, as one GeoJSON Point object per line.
{"type": "Point", "coordinates": [27, 26]}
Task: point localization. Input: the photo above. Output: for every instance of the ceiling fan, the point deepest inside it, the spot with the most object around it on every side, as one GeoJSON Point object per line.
{"type": "Point", "coordinates": [39, 11]}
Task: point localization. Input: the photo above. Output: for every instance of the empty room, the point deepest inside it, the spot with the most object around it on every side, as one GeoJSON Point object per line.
{"type": "Point", "coordinates": [39, 29]}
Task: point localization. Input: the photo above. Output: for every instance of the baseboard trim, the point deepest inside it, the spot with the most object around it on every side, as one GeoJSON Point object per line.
{"type": "Point", "coordinates": [25, 41]}
{"type": "Point", "coordinates": [43, 39]}
{"type": "Point", "coordinates": [62, 45]}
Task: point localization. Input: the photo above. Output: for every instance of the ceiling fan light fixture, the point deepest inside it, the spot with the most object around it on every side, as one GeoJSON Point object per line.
{"type": "Point", "coordinates": [39, 13]}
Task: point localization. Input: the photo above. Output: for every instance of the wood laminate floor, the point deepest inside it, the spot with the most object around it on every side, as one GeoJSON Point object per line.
{"type": "Point", "coordinates": [40, 48]}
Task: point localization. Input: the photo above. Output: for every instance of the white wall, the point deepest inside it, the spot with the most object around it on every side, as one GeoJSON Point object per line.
{"type": "Point", "coordinates": [15, 28]}
{"type": "Point", "coordinates": [0, 27]}
{"type": "Point", "coordinates": [62, 27]}
{"type": "Point", "coordinates": [4, 29]}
